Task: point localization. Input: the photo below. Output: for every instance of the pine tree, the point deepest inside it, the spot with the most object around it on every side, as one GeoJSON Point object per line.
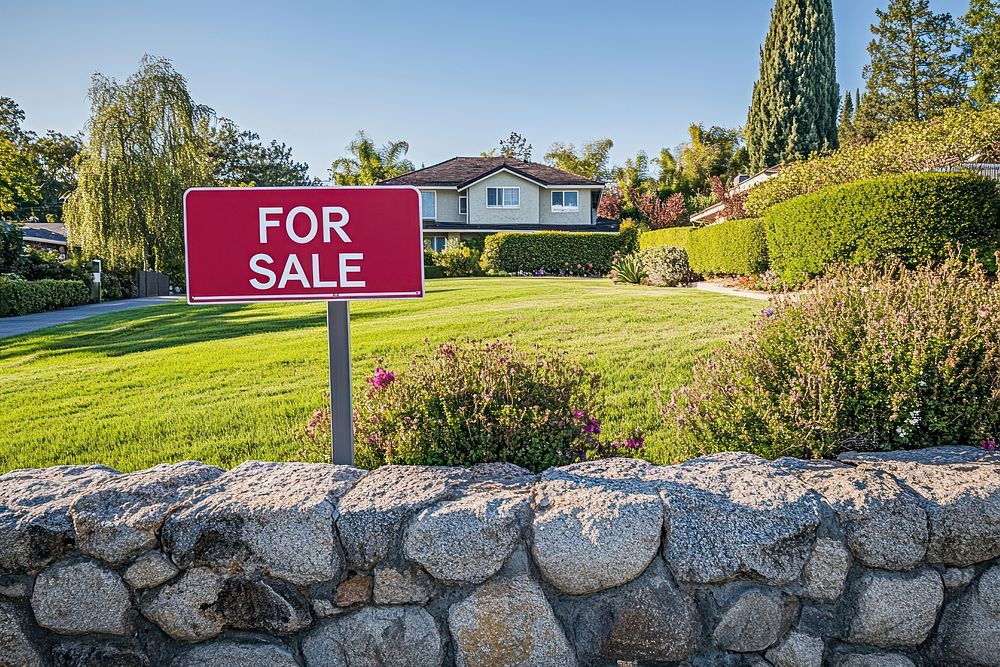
{"type": "Point", "coordinates": [793, 111]}
{"type": "Point", "coordinates": [915, 70]}
{"type": "Point", "coordinates": [845, 124]}
{"type": "Point", "coordinates": [981, 50]}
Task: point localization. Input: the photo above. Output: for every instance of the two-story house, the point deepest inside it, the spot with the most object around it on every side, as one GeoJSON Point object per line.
{"type": "Point", "coordinates": [467, 196]}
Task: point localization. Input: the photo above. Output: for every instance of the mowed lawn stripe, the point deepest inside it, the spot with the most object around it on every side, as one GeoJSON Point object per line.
{"type": "Point", "coordinates": [224, 384]}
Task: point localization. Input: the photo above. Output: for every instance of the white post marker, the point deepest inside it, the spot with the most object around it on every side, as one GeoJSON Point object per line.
{"type": "Point", "coordinates": [258, 245]}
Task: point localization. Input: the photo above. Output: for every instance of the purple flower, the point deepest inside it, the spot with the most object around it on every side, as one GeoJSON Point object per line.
{"type": "Point", "coordinates": [989, 444]}
{"type": "Point", "coordinates": [768, 312]}
{"type": "Point", "coordinates": [382, 378]}
{"type": "Point", "coordinates": [579, 414]}
{"type": "Point", "coordinates": [592, 426]}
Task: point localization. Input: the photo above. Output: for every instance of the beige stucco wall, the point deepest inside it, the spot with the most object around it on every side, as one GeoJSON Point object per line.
{"type": "Point", "coordinates": [527, 214]}
{"type": "Point", "coordinates": [578, 217]}
{"type": "Point", "coordinates": [447, 206]}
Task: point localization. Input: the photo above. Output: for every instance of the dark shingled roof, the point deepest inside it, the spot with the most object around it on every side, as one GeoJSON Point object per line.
{"type": "Point", "coordinates": [461, 171]}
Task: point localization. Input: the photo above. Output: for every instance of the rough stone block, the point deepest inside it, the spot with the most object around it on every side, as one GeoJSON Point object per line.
{"type": "Point", "coordinates": [77, 598]}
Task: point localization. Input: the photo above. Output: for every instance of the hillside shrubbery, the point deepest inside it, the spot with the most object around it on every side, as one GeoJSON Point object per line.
{"type": "Point", "coordinates": [906, 147]}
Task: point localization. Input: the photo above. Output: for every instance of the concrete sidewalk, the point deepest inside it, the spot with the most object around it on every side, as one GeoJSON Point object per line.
{"type": "Point", "coordinates": [22, 324]}
{"type": "Point", "coordinates": [732, 291]}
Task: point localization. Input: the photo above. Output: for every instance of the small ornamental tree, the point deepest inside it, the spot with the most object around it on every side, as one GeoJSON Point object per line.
{"type": "Point", "coordinates": [610, 207]}
{"type": "Point", "coordinates": [732, 202]}
{"type": "Point", "coordinates": [660, 213]}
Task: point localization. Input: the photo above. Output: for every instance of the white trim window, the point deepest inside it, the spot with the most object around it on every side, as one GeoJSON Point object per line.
{"type": "Point", "coordinates": [565, 201]}
{"type": "Point", "coordinates": [435, 243]}
{"type": "Point", "coordinates": [428, 205]}
{"type": "Point", "coordinates": [503, 197]}
{"type": "Point", "coordinates": [463, 205]}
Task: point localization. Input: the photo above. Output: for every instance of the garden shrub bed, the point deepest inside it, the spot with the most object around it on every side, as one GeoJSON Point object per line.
{"type": "Point", "coordinates": [913, 216]}
{"type": "Point", "coordinates": [731, 248]}
{"type": "Point", "coordinates": [23, 297]}
{"type": "Point", "coordinates": [568, 253]}
{"type": "Point", "coordinates": [671, 236]}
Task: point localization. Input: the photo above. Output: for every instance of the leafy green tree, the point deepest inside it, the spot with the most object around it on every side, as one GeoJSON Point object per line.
{"type": "Point", "coordinates": [241, 158]}
{"type": "Point", "coordinates": [18, 168]}
{"type": "Point", "coordinates": [711, 152]}
{"type": "Point", "coordinates": [981, 50]}
{"type": "Point", "coordinates": [514, 146]}
{"type": "Point", "coordinates": [57, 158]}
{"type": "Point", "coordinates": [793, 111]}
{"type": "Point", "coordinates": [915, 71]}
{"type": "Point", "coordinates": [149, 142]}
{"type": "Point", "coordinates": [11, 246]}
{"type": "Point", "coordinates": [369, 164]}
{"type": "Point", "coordinates": [590, 161]}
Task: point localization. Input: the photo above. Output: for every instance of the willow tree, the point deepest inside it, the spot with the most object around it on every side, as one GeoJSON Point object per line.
{"type": "Point", "coordinates": [148, 143]}
{"type": "Point", "coordinates": [793, 111]}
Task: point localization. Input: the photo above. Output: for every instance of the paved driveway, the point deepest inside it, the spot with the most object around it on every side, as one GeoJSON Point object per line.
{"type": "Point", "coordinates": [22, 324]}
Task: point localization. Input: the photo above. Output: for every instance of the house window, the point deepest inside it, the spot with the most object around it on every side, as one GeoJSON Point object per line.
{"type": "Point", "coordinates": [503, 197]}
{"type": "Point", "coordinates": [428, 205]}
{"type": "Point", "coordinates": [463, 205]}
{"type": "Point", "coordinates": [564, 202]}
{"type": "Point", "coordinates": [435, 243]}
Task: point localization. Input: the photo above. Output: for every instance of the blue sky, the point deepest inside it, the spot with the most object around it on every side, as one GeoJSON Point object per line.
{"type": "Point", "coordinates": [450, 78]}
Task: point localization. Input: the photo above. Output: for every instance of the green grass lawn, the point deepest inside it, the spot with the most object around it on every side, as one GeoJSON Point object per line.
{"type": "Point", "coordinates": [223, 384]}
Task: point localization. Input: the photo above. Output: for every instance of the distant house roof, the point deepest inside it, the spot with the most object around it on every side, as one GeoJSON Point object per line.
{"type": "Point", "coordinates": [45, 232]}
{"type": "Point", "coordinates": [461, 172]}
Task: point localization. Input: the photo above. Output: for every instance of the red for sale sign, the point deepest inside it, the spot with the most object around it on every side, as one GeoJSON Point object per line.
{"type": "Point", "coordinates": [303, 244]}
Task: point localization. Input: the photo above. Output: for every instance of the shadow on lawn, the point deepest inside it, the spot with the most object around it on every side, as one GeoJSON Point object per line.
{"type": "Point", "coordinates": [161, 327]}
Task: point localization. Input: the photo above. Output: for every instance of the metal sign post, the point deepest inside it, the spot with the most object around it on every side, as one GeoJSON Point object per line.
{"type": "Point", "coordinates": [338, 327]}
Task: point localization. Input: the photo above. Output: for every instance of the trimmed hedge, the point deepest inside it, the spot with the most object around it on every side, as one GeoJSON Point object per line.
{"type": "Point", "coordinates": [731, 248]}
{"type": "Point", "coordinates": [23, 297]}
{"type": "Point", "coordinates": [912, 216]}
{"type": "Point", "coordinates": [431, 271]}
{"type": "Point", "coordinates": [555, 252]}
{"type": "Point", "coordinates": [671, 236]}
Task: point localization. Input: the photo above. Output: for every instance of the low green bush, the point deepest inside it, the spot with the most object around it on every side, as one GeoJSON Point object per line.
{"type": "Point", "coordinates": [458, 261]}
{"type": "Point", "coordinates": [23, 297]}
{"type": "Point", "coordinates": [731, 248]}
{"type": "Point", "coordinates": [475, 402]}
{"type": "Point", "coordinates": [558, 253]}
{"type": "Point", "coordinates": [432, 271]}
{"type": "Point", "coordinates": [671, 236]}
{"type": "Point", "coordinates": [914, 217]}
{"type": "Point", "coordinates": [866, 359]}
{"type": "Point", "coordinates": [666, 266]}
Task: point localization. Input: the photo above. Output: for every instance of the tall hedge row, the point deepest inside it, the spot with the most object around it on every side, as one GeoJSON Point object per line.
{"type": "Point", "coordinates": [912, 216]}
{"type": "Point", "coordinates": [22, 297]}
{"type": "Point", "coordinates": [513, 252]}
{"type": "Point", "coordinates": [734, 247]}
{"type": "Point", "coordinates": [671, 236]}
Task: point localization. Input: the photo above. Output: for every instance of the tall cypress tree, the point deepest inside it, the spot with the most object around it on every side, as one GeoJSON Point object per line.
{"type": "Point", "coordinates": [915, 70]}
{"type": "Point", "coordinates": [845, 124]}
{"type": "Point", "coordinates": [793, 111]}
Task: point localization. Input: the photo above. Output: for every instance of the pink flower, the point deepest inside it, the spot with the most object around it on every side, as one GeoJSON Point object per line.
{"type": "Point", "coordinates": [382, 378]}
{"type": "Point", "coordinates": [989, 444]}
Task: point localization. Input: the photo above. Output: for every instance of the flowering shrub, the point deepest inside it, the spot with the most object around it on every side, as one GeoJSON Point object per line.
{"type": "Point", "coordinates": [865, 360]}
{"type": "Point", "coordinates": [457, 261]}
{"type": "Point", "coordinates": [610, 206]}
{"type": "Point", "coordinates": [475, 402]}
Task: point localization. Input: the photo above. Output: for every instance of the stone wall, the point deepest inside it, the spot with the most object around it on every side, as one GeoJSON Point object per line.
{"type": "Point", "coordinates": [878, 559]}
